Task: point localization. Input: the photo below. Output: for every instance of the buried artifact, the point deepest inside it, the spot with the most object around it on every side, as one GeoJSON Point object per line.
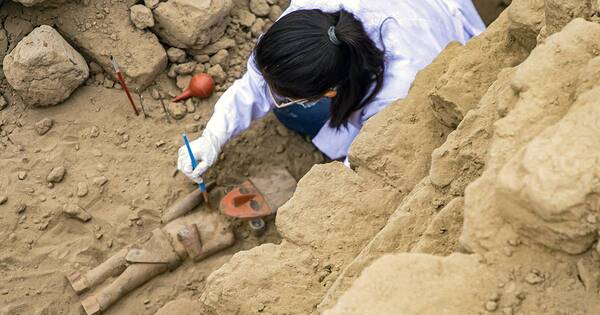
{"type": "Point", "coordinates": [196, 236]}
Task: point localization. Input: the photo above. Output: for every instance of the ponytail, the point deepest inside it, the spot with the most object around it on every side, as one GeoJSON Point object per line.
{"type": "Point", "coordinates": [309, 52]}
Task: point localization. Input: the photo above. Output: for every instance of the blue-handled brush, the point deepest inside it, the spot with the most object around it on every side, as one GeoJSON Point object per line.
{"type": "Point", "coordinates": [201, 184]}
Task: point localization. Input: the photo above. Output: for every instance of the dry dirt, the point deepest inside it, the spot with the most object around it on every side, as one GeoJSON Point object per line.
{"type": "Point", "coordinates": [96, 137]}
{"type": "Point", "coordinates": [478, 193]}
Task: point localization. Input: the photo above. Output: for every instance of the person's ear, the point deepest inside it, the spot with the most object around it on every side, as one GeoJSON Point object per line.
{"type": "Point", "coordinates": [331, 93]}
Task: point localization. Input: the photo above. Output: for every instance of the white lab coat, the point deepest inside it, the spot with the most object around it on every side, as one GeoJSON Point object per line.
{"type": "Point", "coordinates": [418, 32]}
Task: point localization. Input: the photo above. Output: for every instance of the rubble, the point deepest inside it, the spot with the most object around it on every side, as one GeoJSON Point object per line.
{"type": "Point", "coordinates": [140, 68]}
{"type": "Point", "coordinates": [44, 69]}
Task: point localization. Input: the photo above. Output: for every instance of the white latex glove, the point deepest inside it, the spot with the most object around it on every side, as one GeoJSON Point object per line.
{"type": "Point", "coordinates": [206, 150]}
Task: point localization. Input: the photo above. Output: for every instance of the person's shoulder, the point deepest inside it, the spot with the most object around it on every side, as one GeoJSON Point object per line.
{"type": "Point", "coordinates": [325, 5]}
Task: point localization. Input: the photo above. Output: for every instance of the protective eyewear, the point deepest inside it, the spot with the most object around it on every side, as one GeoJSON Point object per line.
{"type": "Point", "coordinates": [286, 101]}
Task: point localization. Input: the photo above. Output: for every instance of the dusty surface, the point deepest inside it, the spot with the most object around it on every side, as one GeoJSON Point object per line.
{"type": "Point", "coordinates": [119, 169]}
{"type": "Point", "coordinates": [478, 193]}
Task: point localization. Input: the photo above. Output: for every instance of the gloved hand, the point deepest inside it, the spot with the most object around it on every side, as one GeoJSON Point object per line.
{"type": "Point", "coordinates": [206, 150]}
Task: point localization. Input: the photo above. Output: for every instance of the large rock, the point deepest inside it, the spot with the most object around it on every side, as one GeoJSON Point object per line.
{"type": "Point", "coordinates": [44, 69]}
{"type": "Point", "coordinates": [460, 88]}
{"type": "Point", "coordinates": [550, 190]}
{"type": "Point", "coordinates": [417, 284]}
{"type": "Point", "coordinates": [140, 55]}
{"type": "Point", "coordinates": [526, 21]}
{"type": "Point", "coordinates": [541, 92]}
{"type": "Point", "coordinates": [273, 279]}
{"type": "Point", "coordinates": [560, 12]}
{"type": "Point", "coordinates": [191, 23]}
{"type": "Point", "coordinates": [411, 131]}
{"type": "Point", "coordinates": [433, 203]}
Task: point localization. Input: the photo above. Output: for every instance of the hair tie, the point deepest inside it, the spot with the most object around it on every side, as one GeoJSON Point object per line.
{"type": "Point", "coordinates": [332, 37]}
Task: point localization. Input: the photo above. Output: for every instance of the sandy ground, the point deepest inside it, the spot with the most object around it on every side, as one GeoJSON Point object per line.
{"type": "Point", "coordinates": [96, 137]}
{"type": "Point", "coordinates": [127, 166]}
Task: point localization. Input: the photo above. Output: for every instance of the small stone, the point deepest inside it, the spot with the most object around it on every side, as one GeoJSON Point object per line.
{"type": "Point", "coordinates": [217, 73]}
{"type": "Point", "coordinates": [261, 307]}
{"type": "Point", "coordinates": [245, 17]}
{"type": "Point", "coordinates": [76, 212]}
{"type": "Point", "coordinates": [146, 301]}
{"type": "Point", "coordinates": [185, 68]}
{"type": "Point", "coordinates": [282, 131]}
{"type": "Point", "coordinates": [151, 4]}
{"type": "Point", "coordinates": [139, 222]}
{"type": "Point", "coordinates": [202, 58]}
{"type": "Point", "coordinates": [591, 219]}
{"type": "Point", "coordinates": [22, 175]}
{"type": "Point", "coordinates": [507, 311]}
{"type": "Point", "coordinates": [109, 244]}
{"type": "Point", "coordinates": [197, 117]}
{"type": "Point", "coordinates": [260, 7]}
{"type": "Point", "coordinates": [4, 292]}
{"type": "Point", "coordinates": [190, 107]}
{"type": "Point", "coordinates": [56, 175]}
{"type": "Point", "coordinates": [192, 128]}
{"type": "Point", "coordinates": [43, 126]}
{"type": "Point", "coordinates": [12, 237]}
{"type": "Point", "coordinates": [494, 297]}
{"type": "Point", "coordinates": [159, 144]}
{"type": "Point", "coordinates": [94, 132]}
{"type": "Point", "coordinates": [258, 27]}
{"type": "Point", "coordinates": [43, 226]}
{"type": "Point", "coordinates": [200, 68]}
{"type": "Point", "coordinates": [176, 110]}
{"type": "Point", "coordinates": [100, 181]}
{"type": "Point", "coordinates": [50, 185]}
{"type": "Point", "coordinates": [176, 55]}
{"type": "Point", "coordinates": [82, 189]}
{"type": "Point", "coordinates": [491, 306]}
{"type": "Point", "coordinates": [3, 200]}
{"type": "Point", "coordinates": [99, 236]}
{"type": "Point", "coordinates": [280, 148]}
{"type": "Point", "coordinates": [21, 207]}
{"type": "Point", "coordinates": [141, 16]}
{"type": "Point", "coordinates": [171, 73]}
{"type": "Point", "coordinates": [108, 83]}
{"type": "Point", "coordinates": [95, 68]}
{"type": "Point", "coordinates": [275, 13]}
{"type": "Point", "coordinates": [3, 102]}
{"type": "Point", "coordinates": [183, 81]}
{"type": "Point", "coordinates": [534, 278]}
{"type": "Point", "coordinates": [220, 58]}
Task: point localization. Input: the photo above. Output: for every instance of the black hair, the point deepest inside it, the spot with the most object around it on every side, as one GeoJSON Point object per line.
{"type": "Point", "coordinates": [298, 59]}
